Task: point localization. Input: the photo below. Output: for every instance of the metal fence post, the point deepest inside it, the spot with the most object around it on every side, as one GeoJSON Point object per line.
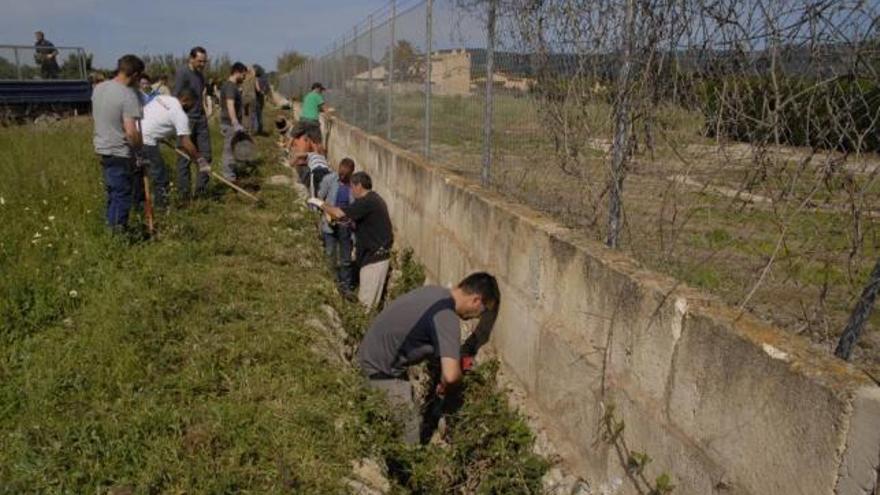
{"type": "Point", "coordinates": [370, 81]}
{"type": "Point", "coordinates": [487, 108]}
{"type": "Point", "coordinates": [17, 64]}
{"type": "Point", "coordinates": [337, 55]}
{"type": "Point", "coordinates": [354, 82]}
{"type": "Point", "coordinates": [429, 24]}
{"type": "Point", "coordinates": [391, 67]}
{"type": "Point", "coordinates": [332, 68]}
{"type": "Point", "coordinates": [83, 70]}
{"type": "Point", "coordinates": [343, 91]}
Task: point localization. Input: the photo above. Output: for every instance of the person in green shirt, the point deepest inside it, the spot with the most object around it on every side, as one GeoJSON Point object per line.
{"type": "Point", "coordinates": [312, 106]}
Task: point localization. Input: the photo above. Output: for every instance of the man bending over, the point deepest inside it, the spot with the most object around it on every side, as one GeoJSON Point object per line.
{"type": "Point", "coordinates": [164, 117]}
{"type": "Point", "coordinates": [420, 325]}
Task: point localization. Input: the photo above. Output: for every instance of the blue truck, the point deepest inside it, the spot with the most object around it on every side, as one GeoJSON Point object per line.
{"type": "Point", "coordinates": [35, 81]}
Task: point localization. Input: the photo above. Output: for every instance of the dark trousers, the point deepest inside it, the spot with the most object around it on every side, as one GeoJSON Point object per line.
{"type": "Point", "coordinates": [49, 69]}
{"type": "Point", "coordinates": [154, 165]}
{"type": "Point", "coordinates": [258, 113]}
{"type": "Point", "coordinates": [338, 248]}
{"type": "Point", "coordinates": [313, 124]}
{"type": "Point", "coordinates": [118, 181]}
{"type": "Point", "coordinates": [201, 138]}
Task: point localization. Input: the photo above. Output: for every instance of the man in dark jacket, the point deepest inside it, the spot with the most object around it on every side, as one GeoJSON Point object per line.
{"type": "Point", "coordinates": [46, 55]}
{"type": "Point", "coordinates": [192, 76]}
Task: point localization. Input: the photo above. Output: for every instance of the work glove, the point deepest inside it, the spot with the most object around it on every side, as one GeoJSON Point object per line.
{"type": "Point", "coordinates": [138, 164]}
{"type": "Point", "coordinates": [204, 165]}
{"type": "Point", "coordinates": [317, 203]}
{"type": "Point", "coordinates": [237, 128]}
{"type": "Point", "coordinates": [467, 363]}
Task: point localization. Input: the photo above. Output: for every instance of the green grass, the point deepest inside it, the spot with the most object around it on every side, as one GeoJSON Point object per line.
{"type": "Point", "coordinates": [188, 364]}
{"type": "Point", "coordinates": [178, 365]}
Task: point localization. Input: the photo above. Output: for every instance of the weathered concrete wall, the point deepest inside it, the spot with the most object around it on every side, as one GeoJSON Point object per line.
{"type": "Point", "coordinates": [720, 401]}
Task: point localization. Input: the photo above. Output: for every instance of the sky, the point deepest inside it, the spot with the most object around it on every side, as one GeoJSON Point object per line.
{"type": "Point", "coordinates": [251, 31]}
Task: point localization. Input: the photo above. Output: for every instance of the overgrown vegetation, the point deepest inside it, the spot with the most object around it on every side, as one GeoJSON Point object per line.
{"type": "Point", "coordinates": [182, 365]}
{"type": "Point", "coordinates": [484, 447]}
{"type": "Point", "coordinates": [188, 364]}
{"type": "Point", "coordinates": [840, 114]}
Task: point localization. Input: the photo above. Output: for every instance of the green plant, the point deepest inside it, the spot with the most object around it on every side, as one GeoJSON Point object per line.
{"type": "Point", "coordinates": [637, 461]}
{"type": "Point", "coordinates": [612, 427]}
{"type": "Point", "coordinates": [185, 364]}
{"type": "Point", "coordinates": [662, 485]}
{"type": "Point", "coordinates": [489, 448]}
{"type": "Point", "coordinates": [835, 114]}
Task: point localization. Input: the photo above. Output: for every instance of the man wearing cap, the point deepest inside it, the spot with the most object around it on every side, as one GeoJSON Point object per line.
{"type": "Point", "coordinates": [312, 107]}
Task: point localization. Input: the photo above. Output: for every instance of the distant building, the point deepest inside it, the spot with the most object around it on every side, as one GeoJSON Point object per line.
{"type": "Point", "coordinates": [451, 72]}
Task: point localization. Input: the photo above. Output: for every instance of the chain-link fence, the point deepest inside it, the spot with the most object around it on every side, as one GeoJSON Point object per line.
{"type": "Point", "coordinates": [732, 144]}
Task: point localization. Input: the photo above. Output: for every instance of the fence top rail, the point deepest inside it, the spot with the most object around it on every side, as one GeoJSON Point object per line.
{"type": "Point", "coordinates": [32, 47]}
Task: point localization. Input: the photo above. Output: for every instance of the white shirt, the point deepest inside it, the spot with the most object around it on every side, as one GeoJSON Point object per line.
{"type": "Point", "coordinates": [163, 115]}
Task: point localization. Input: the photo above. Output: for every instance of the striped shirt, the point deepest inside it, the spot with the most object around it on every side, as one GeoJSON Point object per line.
{"type": "Point", "coordinates": [316, 160]}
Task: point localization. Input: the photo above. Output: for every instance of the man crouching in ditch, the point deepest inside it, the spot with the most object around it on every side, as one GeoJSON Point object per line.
{"type": "Point", "coordinates": [420, 325]}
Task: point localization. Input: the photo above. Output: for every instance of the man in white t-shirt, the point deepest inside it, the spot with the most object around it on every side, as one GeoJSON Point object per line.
{"type": "Point", "coordinates": [165, 117]}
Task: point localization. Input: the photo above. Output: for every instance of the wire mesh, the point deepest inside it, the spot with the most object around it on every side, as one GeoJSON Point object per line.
{"type": "Point", "coordinates": [732, 144]}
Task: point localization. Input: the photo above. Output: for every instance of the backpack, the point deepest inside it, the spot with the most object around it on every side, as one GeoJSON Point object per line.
{"type": "Point", "coordinates": [313, 179]}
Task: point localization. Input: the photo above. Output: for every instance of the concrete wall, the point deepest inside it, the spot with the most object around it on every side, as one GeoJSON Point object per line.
{"type": "Point", "coordinates": [722, 402]}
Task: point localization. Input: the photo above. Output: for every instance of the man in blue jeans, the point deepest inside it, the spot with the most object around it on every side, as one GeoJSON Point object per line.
{"type": "Point", "coordinates": [335, 189]}
{"type": "Point", "coordinates": [116, 111]}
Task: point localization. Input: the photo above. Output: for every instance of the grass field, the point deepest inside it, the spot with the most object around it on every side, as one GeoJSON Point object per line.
{"type": "Point", "coordinates": [197, 362]}
{"type": "Point", "coordinates": [799, 260]}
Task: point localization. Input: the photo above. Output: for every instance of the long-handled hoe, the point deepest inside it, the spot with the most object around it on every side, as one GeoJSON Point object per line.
{"type": "Point", "coordinates": [148, 198]}
{"type": "Point", "coordinates": [217, 176]}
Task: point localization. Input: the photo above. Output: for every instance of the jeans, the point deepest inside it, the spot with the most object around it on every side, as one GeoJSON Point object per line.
{"type": "Point", "coordinates": [338, 248]}
{"type": "Point", "coordinates": [118, 181]}
{"type": "Point", "coordinates": [155, 167]}
{"type": "Point", "coordinates": [201, 138]}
